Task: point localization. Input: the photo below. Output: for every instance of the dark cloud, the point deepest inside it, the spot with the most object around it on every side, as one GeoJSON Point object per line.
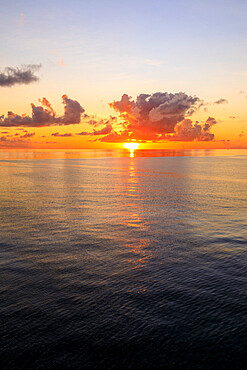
{"type": "Point", "coordinates": [44, 115]}
{"type": "Point", "coordinates": [187, 131]}
{"type": "Point", "coordinates": [16, 76]}
{"type": "Point", "coordinates": [61, 135]}
{"type": "Point", "coordinates": [84, 133]}
{"type": "Point", "coordinates": [159, 117]}
{"type": "Point", "coordinates": [94, 121]}
{"type": "Point", "coordinates": [116, 137]}
{"type": "Point", "coordinates": [221, 101]}
{"type": "Point", "coordinates": [104, 131]}
{"type": "Point", "coordinates": [27, 135]}
{"type": "Point", "coordinates": [157, 113]}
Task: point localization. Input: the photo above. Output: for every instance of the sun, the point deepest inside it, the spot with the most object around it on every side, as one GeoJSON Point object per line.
{"type": "Point", "coordinates": [131, 147]}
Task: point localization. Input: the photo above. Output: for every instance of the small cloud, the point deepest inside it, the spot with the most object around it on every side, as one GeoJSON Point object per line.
{"type": "Point", "coordinates": [17, 76]}
{"type": "Point", "coordinates": [27, 135]}
{"type": "Point", "coordinates": [57, 134]}
{"type": "Point", "coordinates": [221, 101]}
{"type": "Point", "coordinates": [84, 133]}
{"type": "Point", "coordinates": [22, 19]}
{"type": "Point", "coordinates": [60, 61]}
{"type": "Point", "coordinates": [104, 131]}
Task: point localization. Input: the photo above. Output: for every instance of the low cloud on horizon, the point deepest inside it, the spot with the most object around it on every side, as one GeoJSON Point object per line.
{"type": "Point", "coordinates": [154, 117]}
{"type": "Point", "coordinates": [44, 115]}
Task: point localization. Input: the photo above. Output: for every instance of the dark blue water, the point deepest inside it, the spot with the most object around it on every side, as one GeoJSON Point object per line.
{"type": "Point", "coordinates": [134, 263]}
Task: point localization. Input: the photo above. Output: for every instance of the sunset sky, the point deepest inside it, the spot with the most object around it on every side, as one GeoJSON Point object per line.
{"type": "Point", "coordinates": [165, 74]}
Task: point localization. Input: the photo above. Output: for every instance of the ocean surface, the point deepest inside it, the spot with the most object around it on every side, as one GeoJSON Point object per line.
{"type": "Point", "coordinates": [111, 262]}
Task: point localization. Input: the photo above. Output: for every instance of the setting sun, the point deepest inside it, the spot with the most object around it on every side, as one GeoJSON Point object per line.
{"type": "Point", "coordinates": [131, 147]}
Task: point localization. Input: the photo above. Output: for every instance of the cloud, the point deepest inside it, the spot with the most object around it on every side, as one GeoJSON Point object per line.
{"type": "Point", "coordinates": [44, 115]}
{"type": "Point", "coordinates": [156, 113]}
{"type": "Point", "coordinates": [116, 137]}
{"type": "Point", "coordinates": [16, 76]}
{"type": "Point", "coordinates": [13, 142]}
{"type": "Point", "coordinates": [187, 131]}
{"type": "Point", "coordinates": [27, 135]}
{"type": "Point", "coordinates": [84, 133]}
{"type": "Point", "coordinates": [158, 117]}
{"type": "Point", "coordinates": [221, 101]}
{"type": "Point", "coordinates": [61, 135]}
{"type": "Point", "coordinates": [104, 131]}
{"type": "Point", "coordinates": [22, 19]}
{"type": "Point", "coordinates": [94, 121]}
{"type": "Point", "coordinates": [60, 61]}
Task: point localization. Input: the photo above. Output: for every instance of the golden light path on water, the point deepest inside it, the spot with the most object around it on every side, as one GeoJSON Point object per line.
{"type": "Point", "coordinates": [131, 147]}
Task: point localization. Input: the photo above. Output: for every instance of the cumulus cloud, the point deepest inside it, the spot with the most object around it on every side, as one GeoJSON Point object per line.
{"type": "Point", "coordinates": [187, 131]}
{"type": "Point", "coordinates": [44, 115]}
{"type": "Point", "coordinates": [158, 117]}
{"type": "Point", "coordinates": [221, 101]}
{"type": "Point", "coordinates": [16, 76]}
{"type": "Point", "coordinates": [157, 113]}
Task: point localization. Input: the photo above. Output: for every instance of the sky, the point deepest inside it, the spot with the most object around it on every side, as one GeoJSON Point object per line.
{"type": "Point", "coordinates": [164, 74]}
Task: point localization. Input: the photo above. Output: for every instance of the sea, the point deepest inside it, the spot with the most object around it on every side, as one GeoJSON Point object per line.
{"type": "Point", "coordinates": [118, 261]}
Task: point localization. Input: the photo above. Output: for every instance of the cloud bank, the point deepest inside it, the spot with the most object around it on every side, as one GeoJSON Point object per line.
{"type": "Point", "coordinates": [16, 76]}
{"type": "Point", "coordinates": [44, 115]}
{"type": "Point", "coordinates": [157, 117]}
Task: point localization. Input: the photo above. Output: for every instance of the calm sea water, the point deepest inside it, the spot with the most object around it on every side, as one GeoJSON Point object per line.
{"type": "Point", "coordinates": [112, 262]}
